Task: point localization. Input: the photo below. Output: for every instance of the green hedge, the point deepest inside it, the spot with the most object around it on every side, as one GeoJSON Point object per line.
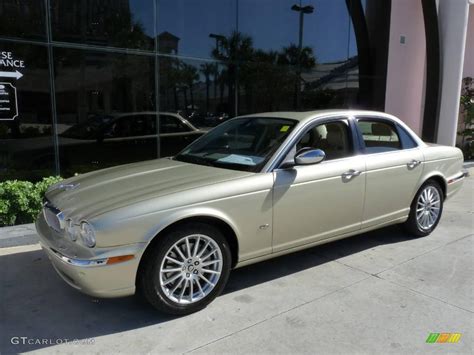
{"type": "Point", "coordinates": [21, 201]}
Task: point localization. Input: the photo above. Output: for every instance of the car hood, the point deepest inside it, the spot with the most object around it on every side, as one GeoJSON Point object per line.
{"type": "Point", "coordinates": [91, 194]}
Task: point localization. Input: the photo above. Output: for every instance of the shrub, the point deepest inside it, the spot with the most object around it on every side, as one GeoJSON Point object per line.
{"type": "Point", "coordinates": [21, 201]}
{"type": "Point", "coordinates": [467, 115]}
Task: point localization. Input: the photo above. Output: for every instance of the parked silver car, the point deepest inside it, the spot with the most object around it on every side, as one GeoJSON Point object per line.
{"type": "Point", "coordinates": [253, 188]}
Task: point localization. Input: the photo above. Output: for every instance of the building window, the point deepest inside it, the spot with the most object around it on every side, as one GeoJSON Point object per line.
{"type": "Point", "coordinates": [98, 95]}
{"type": "Point", "coordinates": [110, 23]}
{"type": "Point", "coordinates": [23, 19]}
{"type": "Point", "coordinates": [140, 79]}
{"type": "Point", "coordinates": [26, 141]}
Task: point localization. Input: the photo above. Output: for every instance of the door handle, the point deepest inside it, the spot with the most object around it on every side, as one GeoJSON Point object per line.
{"type": "Point", "coordinates": [348, 175]}
{"type": "Point", "coordinates": [413, 164]}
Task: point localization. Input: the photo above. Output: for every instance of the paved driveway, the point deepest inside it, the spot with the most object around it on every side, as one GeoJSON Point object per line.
{"type": "Point", "coordinates": [381, 292]}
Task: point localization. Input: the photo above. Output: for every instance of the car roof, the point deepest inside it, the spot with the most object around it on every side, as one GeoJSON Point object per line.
{"type": "Point", "coordinates": [121, 114]}
{"type": "Point", "coordinates": [307, 115]}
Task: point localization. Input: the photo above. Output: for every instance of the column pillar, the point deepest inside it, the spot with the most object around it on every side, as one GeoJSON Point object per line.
{"type": "Point", "coordinates": [453, 20]}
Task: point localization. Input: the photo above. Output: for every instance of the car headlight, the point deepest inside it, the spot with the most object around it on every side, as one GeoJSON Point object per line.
{"type": "Point", "coordinates": [73, 230]}
{"type": "Point", "coordinates": [87, 235]}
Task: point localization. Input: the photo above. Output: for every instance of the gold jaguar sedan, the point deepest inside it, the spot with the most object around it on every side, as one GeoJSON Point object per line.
{"type": "Point", "coordinates": [253, 188]}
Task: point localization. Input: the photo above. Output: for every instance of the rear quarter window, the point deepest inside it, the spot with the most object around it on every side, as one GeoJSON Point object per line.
{"type": "Point", "coordinates": [407, 140]}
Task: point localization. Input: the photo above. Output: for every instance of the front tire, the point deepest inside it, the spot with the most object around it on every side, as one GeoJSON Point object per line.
{"type": "Point", "coordinates": [186, 269]}
{"type": "Point", "coordinates": [426, 210]}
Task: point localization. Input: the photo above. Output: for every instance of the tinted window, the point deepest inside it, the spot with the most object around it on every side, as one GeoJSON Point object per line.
{"type": "Point", "coordinates": [379, 136]}
{"type": "Point", "coordinates": [89, 129]}
{"type": "Point", "coordinates": [333, 138]}
{"type": "Point", "coordinates": [132, 126]}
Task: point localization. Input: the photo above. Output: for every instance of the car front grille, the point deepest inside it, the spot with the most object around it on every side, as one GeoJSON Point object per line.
{"type": "Point", "coordinates": [54, 217]}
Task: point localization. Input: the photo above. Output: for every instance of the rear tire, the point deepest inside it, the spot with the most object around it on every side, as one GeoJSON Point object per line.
{"type": "Point", "coordinates": [186, 269]}
{"type": "Point", "coordinates": [426, 210]}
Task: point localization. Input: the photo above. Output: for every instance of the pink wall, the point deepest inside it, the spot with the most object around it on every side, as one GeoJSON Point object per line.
{"type": "Point", "coordinates": [406, 63]}
{"type": "Point", "coordinates": [468, 69]}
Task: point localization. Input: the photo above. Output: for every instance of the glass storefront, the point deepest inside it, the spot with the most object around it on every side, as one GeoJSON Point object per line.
{"type": "Point", "coordinates": [88, 84]}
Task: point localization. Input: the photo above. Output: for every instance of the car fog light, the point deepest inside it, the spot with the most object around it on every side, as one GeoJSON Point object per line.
{"type": "Point", "coordinates": [87, 235]}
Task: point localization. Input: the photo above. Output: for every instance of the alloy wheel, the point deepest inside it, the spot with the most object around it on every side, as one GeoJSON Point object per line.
{"type": "Point", "coordinates": [428, 208]}
{"type": "Point", "coordinates": [190, 269]}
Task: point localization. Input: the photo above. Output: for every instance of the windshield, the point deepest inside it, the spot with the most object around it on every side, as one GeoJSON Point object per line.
{"type": "Point", "coordinates": [240, 144]}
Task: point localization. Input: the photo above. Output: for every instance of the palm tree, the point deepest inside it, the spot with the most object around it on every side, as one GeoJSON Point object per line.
{"type": "Point", "coordinates": [301, 60]}
{"type": "Point", "coordinates": [189, 75]}
{"type": "Point", "coordinates": [207, 69]}
{"type": "Point", "coordinates": [234, 49]}
{"type": "Point", "coordinates": [291, 56]}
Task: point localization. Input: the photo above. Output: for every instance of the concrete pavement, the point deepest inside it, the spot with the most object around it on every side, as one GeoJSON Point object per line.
{"type": "Point", "coordinates": [380, 292]}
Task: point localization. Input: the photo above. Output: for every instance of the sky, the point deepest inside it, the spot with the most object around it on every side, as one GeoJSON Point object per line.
{"type": "Point", "coordinates": [271, 24]}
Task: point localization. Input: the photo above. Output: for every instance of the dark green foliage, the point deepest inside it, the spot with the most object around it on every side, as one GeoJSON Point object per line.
{"type": "Point", "coordinates": [21, 201]}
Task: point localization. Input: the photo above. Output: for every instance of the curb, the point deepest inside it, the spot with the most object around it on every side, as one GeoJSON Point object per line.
{"type": "Point", "coordinates": [24, 234]}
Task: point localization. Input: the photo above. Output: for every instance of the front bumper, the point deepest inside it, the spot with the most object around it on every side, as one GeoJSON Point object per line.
{"type": "Point", "coordinates": [86, 269]}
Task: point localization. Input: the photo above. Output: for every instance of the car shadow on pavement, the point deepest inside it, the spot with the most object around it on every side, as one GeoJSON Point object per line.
{"type": "Point", "coordinates": [292, 263]}
{"type": "Point", "coordinates": [37, 305]}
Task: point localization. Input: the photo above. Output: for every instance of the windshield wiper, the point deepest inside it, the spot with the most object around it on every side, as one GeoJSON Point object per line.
{"type": "Point", "coordinates": [194, 160]}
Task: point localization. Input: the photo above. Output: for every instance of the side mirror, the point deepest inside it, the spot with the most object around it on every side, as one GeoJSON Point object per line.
{"type": "Point", "coordinates": [308, 157]}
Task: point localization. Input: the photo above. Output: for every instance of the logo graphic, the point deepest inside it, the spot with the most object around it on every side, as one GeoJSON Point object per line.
{"type": "Point", "coordinates": [443, 338]}
{"type": "Point", "coordinates": [68, 187]}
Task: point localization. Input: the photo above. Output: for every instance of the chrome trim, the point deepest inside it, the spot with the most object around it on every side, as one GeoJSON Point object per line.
{"type": "Point", "coordinates": [372, 115]}
{"type": "Point", "coordinates": [78, 262]}
{"type": "Point", "coordinates": [47, 207]}
{"type": "Point", "coordinates": [308, 157]}
{"type": "Point", "coordinates": [463, 174]}
{"type": "Point", "coordinates": [63, 186]}
{"type": "Point", "coordinates": [343, 115]}
{"type": "Point", "coordinates": [295, 135]}
{"type": "Point", "coordinates": [68, 187]}
{"type": "Point", "coordinates": [348, 175]}
{"type": "Point", "coordinates": [413, 164]}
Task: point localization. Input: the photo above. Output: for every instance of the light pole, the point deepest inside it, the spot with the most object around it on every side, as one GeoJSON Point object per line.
{"type": "Point", "coordinates": [308, 9]}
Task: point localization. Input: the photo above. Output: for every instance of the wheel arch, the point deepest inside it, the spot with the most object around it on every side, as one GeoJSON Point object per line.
{"type": "Point", "coordinates": [439, 178]}
{"type": "Point", "coordinates": [223, 224]}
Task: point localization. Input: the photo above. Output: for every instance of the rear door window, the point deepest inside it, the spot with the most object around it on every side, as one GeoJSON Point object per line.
{"type": "Point", "coordinates": [379, 136]}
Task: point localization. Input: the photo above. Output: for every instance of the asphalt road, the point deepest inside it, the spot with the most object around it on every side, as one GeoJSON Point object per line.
{"type": "Point", "coordinates": [380, 292]}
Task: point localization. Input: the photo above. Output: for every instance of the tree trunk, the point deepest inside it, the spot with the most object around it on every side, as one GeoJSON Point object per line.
{"type": "Point", "coordinates": [191, 95]}
{"type": "Point", "coordinates": [208, 84]}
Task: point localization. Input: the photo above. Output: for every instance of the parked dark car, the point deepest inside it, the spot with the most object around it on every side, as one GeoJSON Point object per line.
{"type": "Point", "coordinates": [103, 141]}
